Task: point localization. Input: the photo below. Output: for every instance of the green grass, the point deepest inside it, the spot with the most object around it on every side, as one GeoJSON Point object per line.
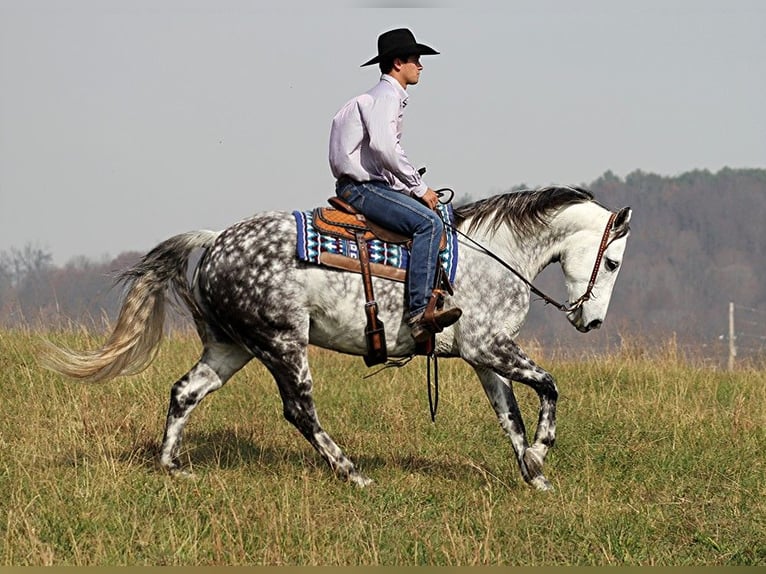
{"type": "Point", "coordinates": [657, 462]}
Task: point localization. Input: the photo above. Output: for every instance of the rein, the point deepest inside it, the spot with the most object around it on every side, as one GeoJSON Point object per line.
{"type": "Point", "coordinates": [547, 298]}
{"type": "Point", "coordinates": [433, 400]}
{"type": "Point", "coordinates": [433, 396]}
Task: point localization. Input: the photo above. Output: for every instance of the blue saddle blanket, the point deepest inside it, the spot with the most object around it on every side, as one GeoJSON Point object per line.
{"type": "Point", "coordinates": [311, 244]}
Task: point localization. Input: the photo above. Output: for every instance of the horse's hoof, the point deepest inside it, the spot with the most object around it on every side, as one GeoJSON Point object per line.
{"type": "Point", "coordinates": [541, 483]}
{"type": "Point", "coordinates": [181, 473]}
{"type": "Point", "coordinates": [533, 462]}
{"type": "Point", "coordinates": [359, 480]}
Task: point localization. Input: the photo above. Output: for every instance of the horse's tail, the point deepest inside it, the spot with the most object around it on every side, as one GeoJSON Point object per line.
{"type": "Point", "coordinates": [134, 342]}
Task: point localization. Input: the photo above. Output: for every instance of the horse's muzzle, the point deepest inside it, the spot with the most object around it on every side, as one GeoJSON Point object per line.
{"type": "Point", "coordinates": [576, 319]}
{"type": "Point", "coordinates": [595, 324]}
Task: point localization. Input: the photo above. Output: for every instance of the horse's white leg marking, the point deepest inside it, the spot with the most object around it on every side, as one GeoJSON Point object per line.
{"type": "Point", "coordinates": [217, 365]}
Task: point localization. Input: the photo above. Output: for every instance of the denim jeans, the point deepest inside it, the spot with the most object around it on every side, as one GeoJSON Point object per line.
{"type": "Point", "coordinates": [406, 216]}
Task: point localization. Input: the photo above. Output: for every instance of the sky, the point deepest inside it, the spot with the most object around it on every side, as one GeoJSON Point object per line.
{"type": "Point", "coordinates": [124, 122]}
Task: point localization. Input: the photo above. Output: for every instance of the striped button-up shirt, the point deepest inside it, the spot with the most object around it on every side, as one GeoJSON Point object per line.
{"type": "Point", "coordinates": [365, 135]}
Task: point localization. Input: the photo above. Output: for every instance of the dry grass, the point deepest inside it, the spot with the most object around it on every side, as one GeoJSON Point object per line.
{"type": "Point", "coordinates": [658, 462]}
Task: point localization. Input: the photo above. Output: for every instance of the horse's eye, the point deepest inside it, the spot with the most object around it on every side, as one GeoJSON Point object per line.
{"type": "Point", "coordinates": [611, 264]}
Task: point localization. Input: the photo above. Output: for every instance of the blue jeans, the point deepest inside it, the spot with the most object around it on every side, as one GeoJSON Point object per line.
{"type": "Point", "coordinates": [406, 216]}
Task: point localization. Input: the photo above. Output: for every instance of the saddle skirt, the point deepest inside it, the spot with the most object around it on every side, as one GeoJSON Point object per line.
{"type": "Point", "coordinates": [327, 236]}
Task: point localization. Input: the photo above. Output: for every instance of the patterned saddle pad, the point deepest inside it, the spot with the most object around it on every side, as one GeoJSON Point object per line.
{"type": "Point", "coordinates": [387, 260]}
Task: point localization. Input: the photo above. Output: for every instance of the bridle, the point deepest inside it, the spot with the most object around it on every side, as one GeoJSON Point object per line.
{"type": "Point", "coordinates": [596, 266]}
{"type": "Point", "coordinates": [547, 298]}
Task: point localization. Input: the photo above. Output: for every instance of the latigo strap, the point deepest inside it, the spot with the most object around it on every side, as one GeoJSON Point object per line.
{"type": "Point", "coordinates": [374, 331]}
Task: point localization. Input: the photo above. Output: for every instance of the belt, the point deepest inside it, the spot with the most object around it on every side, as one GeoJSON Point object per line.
{"type": "Point", "coordinates": [345, 180]}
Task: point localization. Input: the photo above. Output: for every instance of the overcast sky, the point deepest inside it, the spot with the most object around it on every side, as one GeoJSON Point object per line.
{"type": "Point", "coordinates": [125, 122]}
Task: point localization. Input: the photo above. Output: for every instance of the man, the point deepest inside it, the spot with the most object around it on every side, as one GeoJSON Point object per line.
{"type": "Point", "coordinates": [375, 176]}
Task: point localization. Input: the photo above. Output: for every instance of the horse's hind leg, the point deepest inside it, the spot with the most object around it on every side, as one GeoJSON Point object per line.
{"type": "Point", "coordinates": [216, 366]}
{"type": "Point", "coordinates": [291, 370]}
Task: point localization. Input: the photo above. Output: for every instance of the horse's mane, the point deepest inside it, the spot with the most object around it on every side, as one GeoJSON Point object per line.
{"type": "Point", "coordinates": [525, 210]}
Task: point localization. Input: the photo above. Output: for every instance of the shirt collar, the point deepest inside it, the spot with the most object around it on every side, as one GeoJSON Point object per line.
{"type": "Point", "coordinates": [401, 92]}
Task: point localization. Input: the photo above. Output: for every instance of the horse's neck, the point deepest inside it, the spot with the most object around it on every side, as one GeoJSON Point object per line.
{"type": "Point", "coordinates": [531, 253]}
{"type": "Point", "coordinates": [527, 254]}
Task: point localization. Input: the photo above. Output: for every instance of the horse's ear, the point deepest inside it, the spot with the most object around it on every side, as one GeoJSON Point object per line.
{"type": "Point", "coordinates": [621, 223]}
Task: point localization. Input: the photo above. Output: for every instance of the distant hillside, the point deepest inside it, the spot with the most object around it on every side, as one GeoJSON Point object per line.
{"type": "Point", "coordinates": [697, 244]}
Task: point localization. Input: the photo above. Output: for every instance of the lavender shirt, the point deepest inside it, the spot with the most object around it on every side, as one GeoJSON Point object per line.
{"type": "Point", "coordinates": [364, 139]}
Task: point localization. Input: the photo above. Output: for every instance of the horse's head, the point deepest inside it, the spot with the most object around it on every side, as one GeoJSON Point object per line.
{"type": "Point", "coordinates": [589, 277]}
{"type": "Point", "coordinates": [559, 223]}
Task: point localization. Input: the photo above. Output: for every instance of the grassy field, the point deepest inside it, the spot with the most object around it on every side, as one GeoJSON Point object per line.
{"type": "Point", "coordinates": [657, 462]}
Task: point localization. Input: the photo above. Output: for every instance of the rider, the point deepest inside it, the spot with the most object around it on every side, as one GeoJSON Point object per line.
{"type": "Point", "coordinates": [374, 175]}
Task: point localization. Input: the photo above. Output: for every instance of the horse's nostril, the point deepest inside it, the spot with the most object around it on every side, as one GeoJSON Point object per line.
{"type": "Point", "coordinates": [595, 324]}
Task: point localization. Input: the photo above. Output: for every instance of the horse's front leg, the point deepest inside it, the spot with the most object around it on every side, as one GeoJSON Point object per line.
{"type": "Point", "coordinates": [509, 363]}
{"type": "Point", "coordinates": [502, 399]}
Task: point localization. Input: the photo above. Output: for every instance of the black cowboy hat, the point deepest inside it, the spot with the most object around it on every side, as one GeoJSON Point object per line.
{"type": "Point", "coordinates": [399, 42]}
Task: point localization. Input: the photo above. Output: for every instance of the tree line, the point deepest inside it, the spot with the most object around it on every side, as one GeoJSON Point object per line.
{"type": "Point", "coordinates": [696, 244]}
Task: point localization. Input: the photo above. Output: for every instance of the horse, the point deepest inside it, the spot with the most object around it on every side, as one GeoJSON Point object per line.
{"type": "Point", "coordinates": [250, 297]}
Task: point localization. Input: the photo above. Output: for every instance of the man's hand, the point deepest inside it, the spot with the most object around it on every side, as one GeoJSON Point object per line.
{"type": "Point", "coordinates": [430, 198]}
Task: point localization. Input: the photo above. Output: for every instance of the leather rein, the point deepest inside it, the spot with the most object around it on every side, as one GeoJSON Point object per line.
{"type": "Point", "coordinates": [433, 397]}
{"type": "Point", "coordinates": [547, 298]}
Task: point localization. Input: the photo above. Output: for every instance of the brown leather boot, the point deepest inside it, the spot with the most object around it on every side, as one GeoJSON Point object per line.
{"type": "Point", "coordinates": [423, 329]}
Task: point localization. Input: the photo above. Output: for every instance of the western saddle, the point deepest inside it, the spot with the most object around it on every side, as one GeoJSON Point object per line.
{"type": "Point", "coordinates": [343, 221]}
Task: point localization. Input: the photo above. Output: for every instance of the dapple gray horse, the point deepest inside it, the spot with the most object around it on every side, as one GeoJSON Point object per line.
{"type": "Point", "coordinates": [251, 298]}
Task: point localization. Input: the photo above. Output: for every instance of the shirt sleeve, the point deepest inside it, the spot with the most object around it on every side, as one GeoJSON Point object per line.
{"type": "Point", "coordinates": [381, 122]}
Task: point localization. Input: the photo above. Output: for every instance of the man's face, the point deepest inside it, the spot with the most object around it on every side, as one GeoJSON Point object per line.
{"type": "Point", "coordinates": [410, 69]}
